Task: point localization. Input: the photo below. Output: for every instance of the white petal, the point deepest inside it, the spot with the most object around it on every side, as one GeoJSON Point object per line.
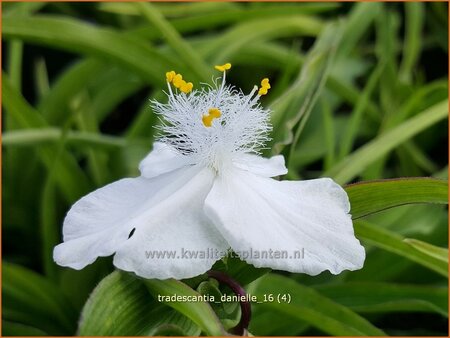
{"type": "Point", "coordinates": [267, 167]}
{"type": "Point", "coordinates": [175, 226]}
{"type": "Point", "coordinates": [257, 214]}
{"type": "Point", "coordinates": [162, 159]}
{"type": "Point", "coordinates": [97, 223]}
{"type": "Point", "coordinates": [100, 223]}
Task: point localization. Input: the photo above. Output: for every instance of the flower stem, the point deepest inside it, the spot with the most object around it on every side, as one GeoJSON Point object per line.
{"type": "Point", "coordinates": [246, 311]}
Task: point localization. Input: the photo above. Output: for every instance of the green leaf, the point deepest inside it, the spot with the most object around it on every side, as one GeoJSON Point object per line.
{"type": "Point", "coordinates": [271, 323]}
{"type": "Point", "coordinates": [389, 241]}
{"type": "Point", "coordinates": [33, 137]}
{"type": "Point", "coordinates": [106, 90]}
{"type": "Point", "coordinates": [228, 313]}
{"type": "Point", "coordinates": [357, 23]}
{"type": "Point", "coordinates": [32, 300]}
{"type": "Point", "coordinates": [169, 330]}
{"type": "Point", "coordinates": [370, 297]}
{"type": "Point", "coordinates": [17, 329]}
{"type": "Point", "coordinates": [200, 313]}
{"type": "Point", "coordinates": [41, 75]}
{"type": "Point", "coordinates": [23, 8]}
{"type": "Point", "coordinates": [68, 174]}
{"type": "Point", "coordinates": [359, 160]}
{"type": "Point", "coordinates": [170, 322]}
{"type": "Point", "coordinates": [111, 88]}
{"type": "Point", "coordinates": [15, 47]}
{"type": "Point", "coordinates": [23, 114]}
{"type": "Point", "coordinates": [429, 249]}
{"type": "Point", "coordinates": [49, 231]}
{"type": "Point", "coordinates": [293, 107]}
{"type": "Point", "coordinates": [73, 35]}
{"type": "Point", "coordinates": [373, 196]}
{"type": "Point", "coordinates": [55, 104]}
{"type": "Point", "coordinates": [357, 114]}
{"type": "Point", "coordinates": [415, 13]}
{"type": "Point", "coordinates": [184, 50]}
{"type": "Point", "coordinates": [307, 305]}
{"type": "Point", "coordinates": [219, 12]}
{"type": "Point", "coordinates": [122, 306]}
{"type": "Point", "coordinates": [77, 285]}
{"type": "Point", "coordinates": [221, 48]}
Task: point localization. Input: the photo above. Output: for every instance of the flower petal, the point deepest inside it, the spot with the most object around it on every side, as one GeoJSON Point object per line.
{"type": "Point", "coordinates": [174, 239]}
{"type": "Point", "coordinates": [162, 159]}
{"type": "Point", "coordinates": [266, 167]}
{"type": "Point", "coordinates": [100, 223]}
{"type": "Point", "coordinates": [305, 224]}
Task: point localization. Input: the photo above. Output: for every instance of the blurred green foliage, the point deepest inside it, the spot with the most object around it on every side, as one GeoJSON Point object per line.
{"type": "Point", "coordinates": [359, 92]}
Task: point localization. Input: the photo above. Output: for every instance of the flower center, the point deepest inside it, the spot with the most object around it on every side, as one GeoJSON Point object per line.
{"type": "Point", "coordinates": [189, 119]}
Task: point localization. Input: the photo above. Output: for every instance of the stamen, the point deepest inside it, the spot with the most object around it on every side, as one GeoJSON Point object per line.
{"type": "Point", "coordinates": [170, 75]}
{"type": "Point", "coordinates": [262, 91]}
{"type": "Point", "coordinates": [186, 87]}
{"type": "Point", "coordinates": [255, 88]}
{"type": "Point", "coordinates": [224, 67]}
{"type": "Point", "coordinates": [213, 113]}
{"type": "Point", "coordinates": [207, 120]}
{"type": "Point", "coordinates": [250, 99]}
{"type": "Point", "coordinates": [265, 82]}
{"type": "Point", "coordinates": [265, 86]}
{"type": "Point", "coordinates": [243, 124]}
{"type": "Point", "coordinates": [178, 80]}
{"type": "Point", "coordinates": [170, 91]}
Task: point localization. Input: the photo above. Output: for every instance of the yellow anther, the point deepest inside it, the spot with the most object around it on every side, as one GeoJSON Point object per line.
{"type": "Point", "coordinates": [265, 86]}
{"type": "Point", "coordinates": [265, 83]}
{"type": "Point", "coordinates": [207, 120]}
{"type": "Point", "coordinates": [186, 87]}
{"type": "Point", "coordinates": [214, 112]}
{"type": "Point", "coordinates": [178, 80]}
{"type": "Point", "coordinates": [170, 75]}
{"type": "Point", "coordinates": [263, 91]}
{"type": "Point", "coordinates": [224, 67]}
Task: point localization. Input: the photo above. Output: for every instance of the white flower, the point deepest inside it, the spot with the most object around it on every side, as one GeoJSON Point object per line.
{"type": "Point", "coordinates": [204, 189]}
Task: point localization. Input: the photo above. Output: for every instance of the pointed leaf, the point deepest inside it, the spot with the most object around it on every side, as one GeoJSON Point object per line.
{"type": "Point", "coordinates": [32, 300]}
{"type": "Point", "coordinates": [389, 241]}
{"type": "Point", "coordinates": [74, 35]}
{"type": "Point", "coordinates": [359, 160]}
{"type": "Point", "coordinates": [122, 306]}
{"type": "Point", "coordinates": [373, 196]}
{"type": "Point", "coordinates": [429, 249]}
{"type": "Point", "coordinates": [307, 305]}
{"type": "Point", "coordinates": [296, 104]}
{"type": "Point", "coordinates": [370, 297]}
